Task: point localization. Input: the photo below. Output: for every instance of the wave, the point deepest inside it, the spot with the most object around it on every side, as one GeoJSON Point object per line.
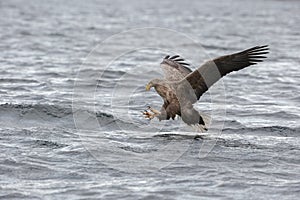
{"type": "Point", "coordinates": [12, 115]}
{"type": "Point", "coordinates": [17, 80]}
{"type": "Point", "coordinates": [268, 130]}
{"type": "Point", "coordinates": [48, 144]}
{"type": "Point", "coordinates": [275, 114]}
{"type": "Point", "coordinates": [23, 109]}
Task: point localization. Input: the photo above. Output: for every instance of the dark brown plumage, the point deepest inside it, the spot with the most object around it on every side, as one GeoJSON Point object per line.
{"type": "Point", "coordinates": [211, 71]}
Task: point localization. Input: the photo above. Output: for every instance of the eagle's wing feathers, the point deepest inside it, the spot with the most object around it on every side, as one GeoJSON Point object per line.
{"type": "Point", "coordinates": [211, 71]}
{"type": "Point", "coordinates": [174, 68]}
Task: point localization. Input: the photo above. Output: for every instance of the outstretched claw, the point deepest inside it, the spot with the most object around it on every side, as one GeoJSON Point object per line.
{"type": "Point", "coordinates": [150, 114]}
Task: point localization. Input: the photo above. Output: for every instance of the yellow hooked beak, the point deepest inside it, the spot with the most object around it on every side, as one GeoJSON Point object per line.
{"type": "Point", "coordinates": [148, 86]}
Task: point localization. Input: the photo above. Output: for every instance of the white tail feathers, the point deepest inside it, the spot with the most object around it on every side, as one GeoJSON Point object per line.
{"type": "Point", "coordinates": [200, 127]}
{"type": "Point", "coordinates": [206, 118]}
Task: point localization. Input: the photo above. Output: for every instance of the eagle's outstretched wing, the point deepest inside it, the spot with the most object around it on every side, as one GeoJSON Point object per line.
{"type": "Point", "coordinates": [175, 68]}
{"type": "Point", "coordinates": [211, 71]}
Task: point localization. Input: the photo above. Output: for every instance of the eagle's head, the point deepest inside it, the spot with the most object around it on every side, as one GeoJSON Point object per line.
{"type": "Point", "coordinates": [153, 83]}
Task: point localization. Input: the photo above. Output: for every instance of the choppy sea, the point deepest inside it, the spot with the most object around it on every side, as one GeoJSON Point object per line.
{"type": "Point", "coordinates": [72, 87]}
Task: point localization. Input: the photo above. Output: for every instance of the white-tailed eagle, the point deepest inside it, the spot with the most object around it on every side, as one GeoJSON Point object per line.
{"type": "Point", "coordinates": [182, 87]}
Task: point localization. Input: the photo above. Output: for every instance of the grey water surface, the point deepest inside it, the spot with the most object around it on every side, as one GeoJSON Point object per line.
{"type": "Point", "coordinates": [71, 126]}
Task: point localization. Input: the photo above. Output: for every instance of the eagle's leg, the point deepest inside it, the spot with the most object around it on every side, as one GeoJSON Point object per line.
{"type": "Point", "coordinates": [154, 110]}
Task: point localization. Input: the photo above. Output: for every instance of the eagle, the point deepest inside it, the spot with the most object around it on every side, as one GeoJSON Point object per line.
{"type": "Point", "coordinates": [182, 87]}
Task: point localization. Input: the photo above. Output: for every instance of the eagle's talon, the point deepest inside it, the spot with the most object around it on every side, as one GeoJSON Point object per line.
{"type": "Point", "coordinates": [148, 115]}
{"type": "Point", "coordinates": [151, 113]}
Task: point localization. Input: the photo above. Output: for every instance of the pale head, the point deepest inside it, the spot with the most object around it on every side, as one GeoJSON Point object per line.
{"type": "Point", "coordinates": [154, 83]}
